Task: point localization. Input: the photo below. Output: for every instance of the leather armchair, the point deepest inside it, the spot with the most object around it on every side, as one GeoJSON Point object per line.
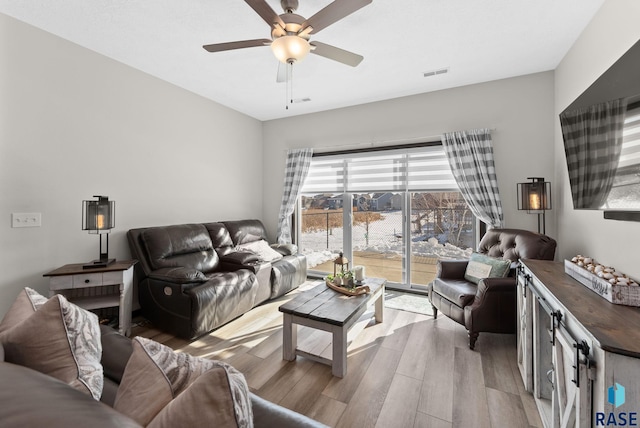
{"type": "Point", "coordinates": [489, 306]}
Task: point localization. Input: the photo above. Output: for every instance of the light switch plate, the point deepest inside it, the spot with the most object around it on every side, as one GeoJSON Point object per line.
{"type": "Point", "coordinates": [26, 219]}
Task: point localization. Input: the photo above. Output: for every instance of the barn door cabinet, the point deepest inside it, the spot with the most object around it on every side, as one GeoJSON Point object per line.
{"type": "Point", "coordinates": [573, 347]}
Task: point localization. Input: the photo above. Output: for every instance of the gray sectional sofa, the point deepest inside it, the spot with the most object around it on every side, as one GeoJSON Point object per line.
{"type": "Point", "coordinates": [33, 399]}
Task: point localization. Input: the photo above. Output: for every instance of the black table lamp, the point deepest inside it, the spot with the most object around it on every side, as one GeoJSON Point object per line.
{"type": "Point", "coordinates": [99, 217]}
{"type": "Point", "coordinates": [535, 198]}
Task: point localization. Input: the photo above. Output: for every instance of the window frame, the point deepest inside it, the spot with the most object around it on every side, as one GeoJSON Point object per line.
{"type": "Point", "coordinates": [347, 202]}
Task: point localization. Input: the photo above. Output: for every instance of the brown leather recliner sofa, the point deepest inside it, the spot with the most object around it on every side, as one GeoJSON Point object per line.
{"type": "Point", "coordinates": [32, 399]}
{"type": "Point", "coordinates": [193, 278]}
{"type": "Point", "coordinates": [489, 306]}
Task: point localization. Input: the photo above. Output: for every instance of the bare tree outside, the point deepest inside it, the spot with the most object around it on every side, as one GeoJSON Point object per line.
{"type": "Point", "coordinates": [444, 215]}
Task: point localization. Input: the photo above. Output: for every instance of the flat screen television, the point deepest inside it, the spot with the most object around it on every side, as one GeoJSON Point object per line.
{"type": "Point", "coordinates": [601, 132]}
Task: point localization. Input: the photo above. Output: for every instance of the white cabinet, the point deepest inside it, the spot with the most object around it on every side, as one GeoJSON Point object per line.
{"type": "Point", "coordinates": [573, 347]}
{"type": "Point", "coordinates": [524, 329]}
{"type": "Point", "coordinates": [572, 380]}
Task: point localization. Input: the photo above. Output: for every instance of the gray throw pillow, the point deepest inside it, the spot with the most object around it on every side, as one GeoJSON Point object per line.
{"type": "Point", "coordinates": [61, 340]}
{"type": "Point", "coordinates": [164, 388]}
{"type": "Point", "coordinates": [482, 266]}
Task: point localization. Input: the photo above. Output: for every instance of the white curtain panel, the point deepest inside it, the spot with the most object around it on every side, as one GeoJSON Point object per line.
{"type": "Point", "coordinates": [470, 155]}
{"type": "Point", "coordinates": [296, 170]}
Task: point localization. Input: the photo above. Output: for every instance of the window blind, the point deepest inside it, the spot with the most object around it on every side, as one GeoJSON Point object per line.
{"type": "Point", "coordinates": [407, 169]}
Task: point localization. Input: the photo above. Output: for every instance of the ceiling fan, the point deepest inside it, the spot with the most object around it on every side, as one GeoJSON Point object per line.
{"type": "Point", "coordinates": [290, 32]}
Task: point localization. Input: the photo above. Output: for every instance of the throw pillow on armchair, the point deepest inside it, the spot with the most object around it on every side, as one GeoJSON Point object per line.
{"type": "Point", "coordinates": [482, 266]}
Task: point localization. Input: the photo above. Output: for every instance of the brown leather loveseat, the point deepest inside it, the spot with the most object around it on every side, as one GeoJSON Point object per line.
{"type": "Point", "coordinates": [489, 305]}
{"type": "Point", "coordinates": [193, 278]}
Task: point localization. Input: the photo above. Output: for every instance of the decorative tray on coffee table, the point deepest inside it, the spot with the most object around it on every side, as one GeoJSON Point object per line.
{"type": "Point", "coordinates": [355, 291]}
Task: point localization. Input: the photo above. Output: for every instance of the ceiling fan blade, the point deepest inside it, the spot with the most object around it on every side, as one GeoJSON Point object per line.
{"type": "Point", "coordinates": [218, 47]}
{"type": "Point", "coordinates": [333, 12]}
{"type": "Point", "coordinates": [336, 54]}
{"type": "Point", "coordinates": [264, 10]}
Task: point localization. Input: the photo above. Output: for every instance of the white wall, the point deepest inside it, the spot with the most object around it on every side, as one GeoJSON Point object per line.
{"type": "Point", "coordinates": [520, 110]}
{"type": "Point", "coordinates": [74, 124]}
{"type": "Point", "coordinates": [614, 29]}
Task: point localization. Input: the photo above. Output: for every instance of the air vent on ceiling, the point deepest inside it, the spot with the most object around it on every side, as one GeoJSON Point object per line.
{"type": "Point", "coordinates": [301, 100]}
{"type": "Point", "coordinates": [436, 72]}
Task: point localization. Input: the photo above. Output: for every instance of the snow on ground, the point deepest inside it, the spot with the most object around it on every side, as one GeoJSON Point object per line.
{"type": "Point", "coordinates": [384, 238]}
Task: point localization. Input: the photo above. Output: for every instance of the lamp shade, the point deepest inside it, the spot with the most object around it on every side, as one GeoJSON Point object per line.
{"type": "Point", "coordinates": [290, 48]}
{"type": "Point", "coordinates": [534, 196]}
{"type": "Point", "coordinates": [99, 216]}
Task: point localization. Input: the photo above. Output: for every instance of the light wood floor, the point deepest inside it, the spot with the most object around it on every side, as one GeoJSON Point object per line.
{"type": "Point", "coordinates": [409, 371]}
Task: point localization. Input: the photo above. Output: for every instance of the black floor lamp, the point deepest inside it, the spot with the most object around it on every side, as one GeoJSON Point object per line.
{"type": "Point", "coordinates": [535, 198]}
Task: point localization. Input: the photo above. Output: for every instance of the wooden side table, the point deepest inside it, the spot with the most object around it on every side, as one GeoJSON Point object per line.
{"type": "Point", "coordinates": [74, 277]}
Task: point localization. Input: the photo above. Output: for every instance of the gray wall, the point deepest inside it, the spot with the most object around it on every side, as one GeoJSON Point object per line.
{"type": "Point", "coordinates": [613, 30]}
{"type": "Point", "coordinates": [519, 110]}
{"type": "Point", "coordinates": [74, 124]}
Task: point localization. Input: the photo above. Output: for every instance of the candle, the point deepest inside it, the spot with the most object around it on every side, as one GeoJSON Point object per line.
{"type": "Point", "coordinates": [534, 201]}
{"type": "Point", "coordinates": [100, 221]}
{"type": "Point", "coordinates": [359, 273]}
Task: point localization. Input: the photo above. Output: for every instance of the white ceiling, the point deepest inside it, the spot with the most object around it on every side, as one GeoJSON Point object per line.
{"type": "Point", "coordinates": [477, 40]}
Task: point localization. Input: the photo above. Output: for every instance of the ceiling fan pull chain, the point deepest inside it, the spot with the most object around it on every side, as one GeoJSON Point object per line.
{"type": "Point", "coordinates": [291, 98]}
{"type": "Point", "coordinates": [286, 92]}
{"type": "Point", "coordinates": [289, 84]}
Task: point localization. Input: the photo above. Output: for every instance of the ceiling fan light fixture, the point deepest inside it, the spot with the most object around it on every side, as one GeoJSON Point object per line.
{"type": "Point", "coordinates": [290, 48]}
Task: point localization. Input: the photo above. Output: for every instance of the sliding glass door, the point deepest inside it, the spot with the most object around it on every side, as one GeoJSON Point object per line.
{"type": "Point", "coordinates": [442, 226]}
{"type": "Point", "coordinates": [371, 236]}
{"type": "Point", "coordinates": [399, 232]}
{"type": "Point", "coordinates": [378, 235]}
{"type": "Point", "coordinates": [321, 219]}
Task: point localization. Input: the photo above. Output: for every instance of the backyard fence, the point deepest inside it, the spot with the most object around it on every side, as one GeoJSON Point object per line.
{"type": "Point", "coordinates": [447, 225]}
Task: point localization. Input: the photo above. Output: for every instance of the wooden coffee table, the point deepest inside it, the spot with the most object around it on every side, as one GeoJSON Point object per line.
{"type": "Point", "coordinates": [325, 309]}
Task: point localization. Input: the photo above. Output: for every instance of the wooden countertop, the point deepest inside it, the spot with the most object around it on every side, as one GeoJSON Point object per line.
{"type": "Point", "coordinates": [615, 327]}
